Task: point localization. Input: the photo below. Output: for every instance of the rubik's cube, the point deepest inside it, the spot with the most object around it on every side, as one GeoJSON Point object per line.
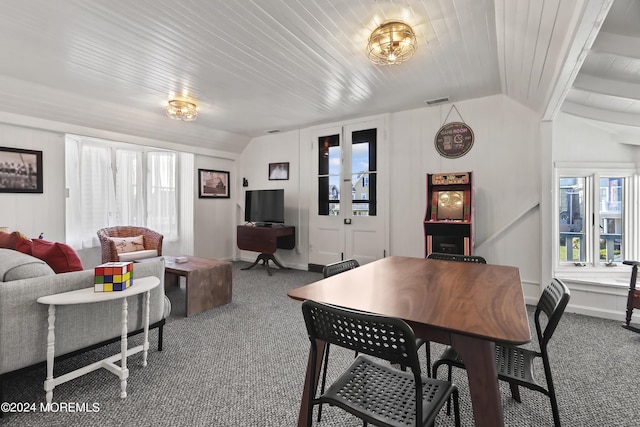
{"type": "Point", "coordinates": [113, 276]}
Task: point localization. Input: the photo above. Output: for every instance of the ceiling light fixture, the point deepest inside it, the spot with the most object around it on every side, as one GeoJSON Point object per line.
{"type": "Point", "coordinates": [391, 43]}
{"type": "Point", "coordinates": [182, 110]}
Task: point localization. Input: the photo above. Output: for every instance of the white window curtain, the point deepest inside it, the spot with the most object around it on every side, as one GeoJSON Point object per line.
{"type": "Point", "coordinates": [73, 202]}
{"type": "Point", "coordinates": [162, 204]}
{"type": "Point", "coordinates": [129, 189]}
{"type": "Point", "coordinates": [141, 189]}
{"type": "Point", "coordinates": [91, 203]}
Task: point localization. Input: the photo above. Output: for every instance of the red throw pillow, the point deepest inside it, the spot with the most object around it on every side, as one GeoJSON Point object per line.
{"type": "Point", "coordinates": [8, 240]}
{"type": "Point", "coordinates": [60, 257]}
{"type": "Point", "coordinates": [24, 245]}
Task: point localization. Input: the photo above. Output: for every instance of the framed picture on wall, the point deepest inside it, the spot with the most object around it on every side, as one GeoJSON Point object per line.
{"type": "Point", "coordinates": [278, 171]}
{"type": "Point", "coordinates": [213, 184]}
{"type": "Point", "coordinates": [20, 170]}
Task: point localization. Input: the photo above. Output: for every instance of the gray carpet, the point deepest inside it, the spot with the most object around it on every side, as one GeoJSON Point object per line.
{"type": "Point", "coordinates": [243, 365]}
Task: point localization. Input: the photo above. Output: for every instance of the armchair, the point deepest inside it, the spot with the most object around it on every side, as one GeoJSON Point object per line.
{"type": "Point", "coordinates": [152, 242]}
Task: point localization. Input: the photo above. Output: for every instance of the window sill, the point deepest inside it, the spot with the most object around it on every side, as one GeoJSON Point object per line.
{"type": "Point", "coordinates": [617, 276]}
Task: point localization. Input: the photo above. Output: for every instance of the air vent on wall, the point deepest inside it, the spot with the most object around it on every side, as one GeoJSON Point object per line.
{"type": "Point", "coordinates": [274, 131]}
{"type": "Point", "coordinates": [436, 101]}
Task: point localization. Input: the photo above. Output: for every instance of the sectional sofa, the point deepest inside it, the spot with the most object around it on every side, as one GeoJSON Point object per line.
{"type": "Point", "coordinates": [23, 321]}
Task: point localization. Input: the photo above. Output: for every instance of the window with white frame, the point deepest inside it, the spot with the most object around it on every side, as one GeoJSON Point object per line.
{"type": "Point", "coordinates": [112, 183]}
{"type": "Point", "coordinates": [596, 218]}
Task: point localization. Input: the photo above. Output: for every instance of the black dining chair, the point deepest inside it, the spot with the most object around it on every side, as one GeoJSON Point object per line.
{"type": "Point", "coordinates": [375, 392]}
{"type": "Point", "coordinates": [337, 268]}
{"type": "Point", "coordinates": [515, 364]}
{"type": "Point", "coordinates": [328, 271]}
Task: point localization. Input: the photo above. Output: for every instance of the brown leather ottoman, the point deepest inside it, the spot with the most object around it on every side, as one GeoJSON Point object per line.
{"type": "Point", "coordinates": [208, 282]}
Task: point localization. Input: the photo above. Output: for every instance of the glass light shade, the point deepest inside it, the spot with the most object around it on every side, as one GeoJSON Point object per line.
{"type": "Point", "coordinates": [391, 43]}
{"type": "Point", "coordinates": [182, 110]}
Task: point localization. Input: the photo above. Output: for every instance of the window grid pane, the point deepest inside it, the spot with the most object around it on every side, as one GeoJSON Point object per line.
{"type": "Point", "coordinates": [611, 221]}
{"type": "Point", "coordinates": [572, 212]}
{"type": "Point", "coordinates": [329, 175]}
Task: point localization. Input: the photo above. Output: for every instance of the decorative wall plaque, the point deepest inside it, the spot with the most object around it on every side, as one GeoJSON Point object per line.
{"type": "Point", "coordinates": [454, 140]}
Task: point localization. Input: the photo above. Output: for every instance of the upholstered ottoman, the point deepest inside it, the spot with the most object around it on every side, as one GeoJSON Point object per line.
{"type": "Point", "coordinates": [208, 282]}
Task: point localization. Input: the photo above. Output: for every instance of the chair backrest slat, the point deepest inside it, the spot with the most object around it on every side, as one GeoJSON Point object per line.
{"type": "Point", "coordinates": [379, 336]}
{"type": "Point", "coordinates": [339, 267]}
{"type": "Point", "coordinates": [552, 303]}
{"type": "Point", "coordinates": [457, 257]}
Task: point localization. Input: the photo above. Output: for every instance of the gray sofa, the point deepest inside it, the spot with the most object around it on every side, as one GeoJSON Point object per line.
{"type": "Point", "coordinates": [23, 321]}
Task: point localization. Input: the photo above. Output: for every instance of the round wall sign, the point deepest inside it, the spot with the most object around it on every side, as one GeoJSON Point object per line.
{"type": "Point", "coordinates": [454, 140]}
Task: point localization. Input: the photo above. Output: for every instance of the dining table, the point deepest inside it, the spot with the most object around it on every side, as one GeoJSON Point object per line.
{"type": "Point", "coordinates": [469, 306]}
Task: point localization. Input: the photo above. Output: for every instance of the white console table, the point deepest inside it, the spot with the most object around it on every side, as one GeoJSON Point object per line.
{"type": "Point", "coordinates": [86, 296]}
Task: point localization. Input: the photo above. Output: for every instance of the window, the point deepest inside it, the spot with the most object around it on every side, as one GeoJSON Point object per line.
{"type": "Point", "coordinates": [113, 183]}
{"type": "Point", "coordinates": [361, 173]}
{"type": "Point", "coordinates": [595, 217]}
{"type": "Point", "coordinates": [329, 175]}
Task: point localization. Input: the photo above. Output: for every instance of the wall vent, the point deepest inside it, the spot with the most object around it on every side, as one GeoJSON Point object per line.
{"type": "Point", "coordinates": [437, 101]}
{"type": "Point", "coordinates": [274, 131]}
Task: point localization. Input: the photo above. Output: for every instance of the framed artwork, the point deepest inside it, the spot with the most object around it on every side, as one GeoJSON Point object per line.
{"type": "Point", "coordinates": [213, 184]}
{"type": "Point", "coordinates": [278, 171]}
{"type": "Point", "coordinates": [20, 171]}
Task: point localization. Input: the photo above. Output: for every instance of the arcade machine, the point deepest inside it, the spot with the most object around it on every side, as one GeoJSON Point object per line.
{"type": "Point", "coordinates": [449, 217]}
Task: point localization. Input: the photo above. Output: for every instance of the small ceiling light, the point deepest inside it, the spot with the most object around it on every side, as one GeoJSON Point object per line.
{"type": "Point", "coordinates": [182, 110]}
{"type": "Point", "coordinates": [391, 43]}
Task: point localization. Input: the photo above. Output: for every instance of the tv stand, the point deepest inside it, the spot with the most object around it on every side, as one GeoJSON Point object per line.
{"type": "Point", "coordinates": [266, 240]}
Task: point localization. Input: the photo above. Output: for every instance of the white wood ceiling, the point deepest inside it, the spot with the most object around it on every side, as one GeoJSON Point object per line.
{"type": "Point", "coordinates": [260, 65]}
{"type": "Point", "coordinates": [607, 89]}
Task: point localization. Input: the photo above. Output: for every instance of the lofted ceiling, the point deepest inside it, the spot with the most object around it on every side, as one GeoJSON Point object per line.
{"type": "Point", "coordinates": [607, 89]}
{"type": "Point", "coordinates": [255, 66]}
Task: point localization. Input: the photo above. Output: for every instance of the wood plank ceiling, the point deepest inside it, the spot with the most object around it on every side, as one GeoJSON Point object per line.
{"type": "Point", "coordinates": [260, 65]}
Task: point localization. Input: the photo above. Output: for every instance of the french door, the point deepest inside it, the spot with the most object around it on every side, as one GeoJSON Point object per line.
{"type": "Point", "coordinates": [347, 217]}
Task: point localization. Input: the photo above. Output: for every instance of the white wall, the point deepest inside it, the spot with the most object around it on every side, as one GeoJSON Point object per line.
{"type": "Point", "coordinates": [33, 214]}
{"type": "Point", "coordinates": [254, 166]}
{"type": "Point", "coordinates": [507, 187]}
{"type": "Point", "coordinates": [214, 224]}
{"type": "Point", "coordinates": [510, 179]}
{"type": "Point", "coordinates": [29, 213]}
{"type": "Point", "coordinates": [506, 165]}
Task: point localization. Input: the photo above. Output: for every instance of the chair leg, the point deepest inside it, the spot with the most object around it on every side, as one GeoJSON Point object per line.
{"type": "Point", "coordinates": [515, 392]}
{"type": "Point", "coordinates": [456, 408]}
{"type": "Point", "coordinates": [324, 378]}
{"type": "Point", "coordinates": [160, 330]}
{"type": "Point", "coordinates": [554, 403]}
{"type": "Point", "coordinates": [427, 349]}
{"type": "Point", "coordinates": [449, 375]}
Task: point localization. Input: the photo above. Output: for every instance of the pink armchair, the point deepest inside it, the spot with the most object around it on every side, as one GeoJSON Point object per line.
{"type": "Point", "coordinates": [152, 240]}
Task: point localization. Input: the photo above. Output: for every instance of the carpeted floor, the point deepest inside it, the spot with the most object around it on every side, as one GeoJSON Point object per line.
{"type": "Point", "coordinates": [243, 365]}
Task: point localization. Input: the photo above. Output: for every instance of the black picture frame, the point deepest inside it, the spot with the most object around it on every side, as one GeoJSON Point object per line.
{"type": "Point", "coordinates": [213, 184]}
{"type": "Point", "coordinates": [279, 171]}
{"type": "Point", "coordinates": [20, 170]}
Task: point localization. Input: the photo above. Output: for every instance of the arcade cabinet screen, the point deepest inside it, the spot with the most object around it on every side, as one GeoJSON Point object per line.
{"type": "Point", "coordinates": [450, 205]}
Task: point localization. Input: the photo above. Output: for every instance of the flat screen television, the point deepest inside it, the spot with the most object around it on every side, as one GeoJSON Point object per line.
{"type": "Point", "coordinates": [264, 207]}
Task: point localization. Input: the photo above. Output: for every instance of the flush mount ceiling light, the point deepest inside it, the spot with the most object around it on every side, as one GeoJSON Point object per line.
{"type": "Point", "coordinates": [391, 43]}
{"type": "Point", "coordinates": [182, 110]}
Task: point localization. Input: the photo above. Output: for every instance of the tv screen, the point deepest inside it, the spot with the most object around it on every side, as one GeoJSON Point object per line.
{"type": "Point", "coordinates": [450, 205]}
{"type": "Point", "coordinates": [264, 206]}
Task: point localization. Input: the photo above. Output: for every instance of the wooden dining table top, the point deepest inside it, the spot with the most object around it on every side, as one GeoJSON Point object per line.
{"type": "Point", "coordinates": [479, 300]}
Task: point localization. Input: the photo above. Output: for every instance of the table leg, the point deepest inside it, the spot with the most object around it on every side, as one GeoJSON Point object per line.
{"type": "Point", "coordinates": [124, 372]}
{"type": "Point", "coordinates": [479, 360]}
{"type": "Point", "coordinates": [145, 344]}
{"type": "Point", "coordinates": [311, 370]}
{"type": "Point", "coordinates": [51, 348]}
